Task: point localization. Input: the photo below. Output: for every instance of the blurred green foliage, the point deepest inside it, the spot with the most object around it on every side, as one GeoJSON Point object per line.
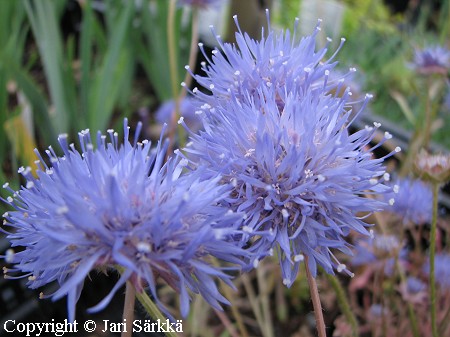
{"type": "Point", "coordinates": [54, 81]}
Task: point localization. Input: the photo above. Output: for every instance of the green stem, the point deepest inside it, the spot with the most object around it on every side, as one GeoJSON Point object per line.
{"type": "Point", "coordinates": [314, 291]}
{"type": "Point", "coordinates": [428, 115]}
{"type": "Point", "coordinates": [411, 314]}
{"type": "Point", "coordinates": [343, 303]}
{"type": "Point", "coordinates": [432, 256]}
{"type": "Point", "coordinates": [153, 310]}
{"type": "Point", "coordinates": [128, 309]}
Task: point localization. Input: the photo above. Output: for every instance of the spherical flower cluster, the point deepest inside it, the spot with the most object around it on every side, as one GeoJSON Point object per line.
{"type": "Point", "coordinates": [415, 285]}
{"type": "Point", "coordinates": [114, 205]}
{"type": "Point", "coordinates": [277, 129]}
{"type": "Point", "coordinates": [413, 201]}
{"type": "Point", "coordinates": [187, 110]}
{"type": "Point", "coordinates": [278, 62]}
{"type": "Point", "coordinates": [300, 177]}
{"type": "Point", "coordinates": [379, 252]}
{"type": "Point", "coordinates": [413, 290]}
{"type": "Point", "coordinates": [432, 60]}
{"type": "Point", "coordinates": [441, 270]}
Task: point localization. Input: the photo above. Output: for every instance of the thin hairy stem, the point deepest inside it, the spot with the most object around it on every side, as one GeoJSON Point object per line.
{"type": "Point", "coordinates": [314, 291]}
{"type": "Point", "coordinates": [153, 310]}
{"type": "Point", "coordinates": [128, 309]}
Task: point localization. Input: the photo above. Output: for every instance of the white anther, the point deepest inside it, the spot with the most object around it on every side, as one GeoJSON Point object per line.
{"type": "Point", "coordinates": [9, 256]}
{"type": "Point", "coordinates": [341, 267]}
{"type": "Point", "coordinates": [62, 210]}
{"type": "Point", "coordinates": [247, 229]}
{"type": "Point", "coordinates": [233, 182]}
{"type": "Point", "coordinates": [144, 247]}
{"type": "Point", "coordinates": [299, 257]}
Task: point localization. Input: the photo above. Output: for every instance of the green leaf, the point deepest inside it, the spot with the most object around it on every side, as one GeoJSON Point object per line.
{"type": "Point", "coordinates": [404, 106]}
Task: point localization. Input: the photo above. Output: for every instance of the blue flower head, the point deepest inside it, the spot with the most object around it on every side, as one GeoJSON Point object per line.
{"type": "Point", "coordinates": [187, 110]}
{"type": "Point", "coordinates": [378, 252]}
{"type": "Point", "coordinates": [432, 60]}
{"type": "Point", "coordinates": [301, 178]}
{"type": "Point", "coordinates": [441, 270]}
{"type": "Point", "coordinates": [116, 205]}
{"type": "Point", "coordinates": [413, 200]}
{"type": "Point", "coordinates": [415, 285]}
{"type": "Point", "coordinates": [279, 61]}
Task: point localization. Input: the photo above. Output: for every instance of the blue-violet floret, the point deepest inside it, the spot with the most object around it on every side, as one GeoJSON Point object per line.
{"type": "Point", "coordinates": [114, 205]}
